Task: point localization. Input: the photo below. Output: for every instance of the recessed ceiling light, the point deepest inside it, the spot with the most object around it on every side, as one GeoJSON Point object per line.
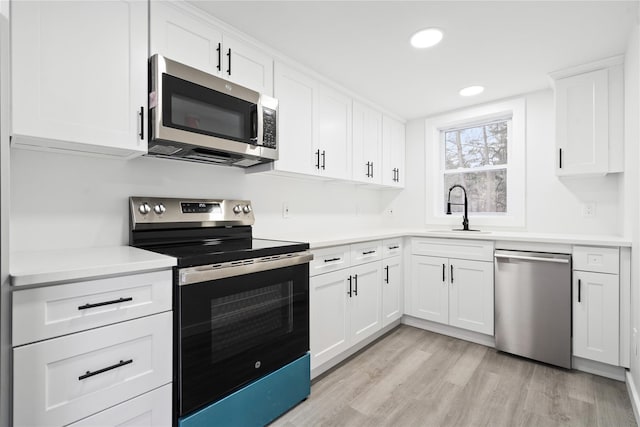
{"type": "Point", "coordinates": [471, 90]}
{"type": "Point", "coordinates": [426, 38]}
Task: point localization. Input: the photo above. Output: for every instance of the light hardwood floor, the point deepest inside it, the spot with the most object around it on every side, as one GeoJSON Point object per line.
{"type": "Point", "coordinates": [413, 377]}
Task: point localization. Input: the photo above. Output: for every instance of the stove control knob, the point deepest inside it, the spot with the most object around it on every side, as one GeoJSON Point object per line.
{"type": "Point", "coordinates": [144, 208]}
{"type": "Point", "coordinates": [246, 209]}
{"type": "Point", "coordinates": [237, 209]}
{"type": "Point", "coordinates": [159, 209]}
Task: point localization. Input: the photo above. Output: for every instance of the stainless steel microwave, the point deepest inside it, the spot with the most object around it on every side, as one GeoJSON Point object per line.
{"type": "Point", "coordinates": [199, 117]}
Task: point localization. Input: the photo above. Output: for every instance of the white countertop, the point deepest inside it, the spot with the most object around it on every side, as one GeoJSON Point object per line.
{"type": "Point", "coordinates": [63, 265]}
{"type": "Point", "coordinates": [320, 238]}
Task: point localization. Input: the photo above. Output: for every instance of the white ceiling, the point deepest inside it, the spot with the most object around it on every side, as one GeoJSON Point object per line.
{"type": "Point", "coordinates": [507, 46]}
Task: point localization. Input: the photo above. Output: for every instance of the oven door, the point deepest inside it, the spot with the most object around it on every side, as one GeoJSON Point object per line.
{"type": "Point", "coordinates": [236, 329]}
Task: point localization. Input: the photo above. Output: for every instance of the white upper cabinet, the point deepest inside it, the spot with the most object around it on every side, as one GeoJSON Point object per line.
{"type": "Point", "coordinates": [185, 38]}
{"type": "Point", "coordinates": [367, 144]}
{"type": "Point", "coordinates": [190, 37]}
{"type": "Point", "coordinates": [333, 145]}
{"type": "Point", "coordinates": [393, 152]}
{"type": "Point", "coordinates": [79, 76]}
{"type": "Point", "coordinates": [589, 119]}
{"type": "Point", "coordinates": [296, 93]}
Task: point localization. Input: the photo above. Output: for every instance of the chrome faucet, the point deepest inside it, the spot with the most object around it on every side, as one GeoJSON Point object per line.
{"type": "Point", "coordinates": [465, 217]}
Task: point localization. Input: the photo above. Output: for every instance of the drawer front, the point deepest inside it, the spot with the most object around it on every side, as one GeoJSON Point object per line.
{"type": "Point", "coordinates": [391, 247]}
{"type": "Point", "coordinates": [59, 381]}
{"type": "Point", "coordinates": [362, 253]}
{"type": "Point", "coordinates": [152, 409]}
{"type": "Point", "coordinates": [599, 260]}
{"type": "Point", "coordinates": [52, 311]}
{"type": "Point", "coordinates": [330, 259]}
{"type": "Point", "coordinates": [478, 250]}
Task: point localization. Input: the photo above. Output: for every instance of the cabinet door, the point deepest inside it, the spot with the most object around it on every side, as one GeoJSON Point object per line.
{"type": "Point", "coordinates": [334, 133]}
{"type": "Point", "coordinates": [582, 123]}
{"type": "Point", "coordinates": [178, 35]}
{"type": "Point", "coordinates": [471, 295]}
{"type": "Point", "coordinates": [367, 144]}
{"type": "Point", "coordinates": [296, 94]}
{"type": "Point", "coordinates": [247, 65]}
{"type": "Point", "coordinates": [429, 288]}
{"type": "Point", "coordinates": [393, 152]}
{"type": "Point", "coordinates": [364, 302]}
{"type": "Point", "coordinates": [79, 75]}
{"type": "Point", "coordinates": [329, 318]}
{"type": "Point", "coordinates": [595, 316]}
{"type": "Point", "coordinates": [391, 288]}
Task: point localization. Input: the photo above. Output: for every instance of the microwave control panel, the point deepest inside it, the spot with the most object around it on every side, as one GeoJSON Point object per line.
{"type": "Point", "coordinates": [269, 127]}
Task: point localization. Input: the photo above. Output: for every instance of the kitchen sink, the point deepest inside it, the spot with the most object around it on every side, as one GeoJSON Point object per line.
{"type": "Point", "coordinates": [455, 231]}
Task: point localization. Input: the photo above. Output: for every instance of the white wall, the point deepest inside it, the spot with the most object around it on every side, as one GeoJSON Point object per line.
{"type": "Point", "coordinates": [553, 205]}
{"type": "Point", "coordinates": [65, 201]}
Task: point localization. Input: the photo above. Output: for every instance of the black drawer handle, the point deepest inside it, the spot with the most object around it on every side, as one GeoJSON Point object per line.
{"type": "Point", "coordinates": [103, 370]}
{"type": "Point", "coordinates": [369, 252]}
{"type": "Point", "coordinates": [332, 259]}
{"type": "Point", "coordinates": [393, 247]}
{"type": "Point", "coordinates": [100, 304]}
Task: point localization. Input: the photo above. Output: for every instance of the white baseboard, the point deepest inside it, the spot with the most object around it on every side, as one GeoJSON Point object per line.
{"type": "Point", "coordinates": [598, 368]}
{"type": "Point", "coordinates": [633, 396]}
{"type": "Point", "coordinates": [451, 331]}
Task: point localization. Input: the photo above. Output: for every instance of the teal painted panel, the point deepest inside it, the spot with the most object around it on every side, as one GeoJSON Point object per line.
{"type": "Point", "coordinates": [260, 402]}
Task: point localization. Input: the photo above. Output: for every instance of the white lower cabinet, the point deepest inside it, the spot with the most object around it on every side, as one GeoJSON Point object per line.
{"type": "Point", "coordinates": [452, 291]}
{"type": "Point", "coordinates": [596, 304]}
{"type": "Point", "coordinates": [364, 300]}
{"type": "Point", "coordinates": [391, 289]}
{"type": "Point", "coordinates": [152, 409]}
{"type": "Point", "coordinates": [62, 380]}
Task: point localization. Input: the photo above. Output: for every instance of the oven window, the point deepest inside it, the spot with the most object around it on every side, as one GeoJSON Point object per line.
{"type": "Point", "coordinates": [194, 108]}
{"type": "Point", "coordinates": [240, 320]}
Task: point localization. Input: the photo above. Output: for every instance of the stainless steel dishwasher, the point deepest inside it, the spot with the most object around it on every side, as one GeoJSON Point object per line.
{"type": "Point", "coordinates": [533, 305]}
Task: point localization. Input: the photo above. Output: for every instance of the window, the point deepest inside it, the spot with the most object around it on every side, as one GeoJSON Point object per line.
{"type": "Point", "coordinates": [476, 158]}
{"type": "Point", "coordinates": [481, 148]}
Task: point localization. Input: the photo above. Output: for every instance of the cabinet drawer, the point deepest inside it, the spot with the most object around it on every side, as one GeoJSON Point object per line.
{"type": "Point", "coordinates": [453, 248]}
{"type": "Point", "coordinates": [52, 311]}
{"type": "Point", "coordinates": [391, 247]}
{"type": "Point", "coordinates": [599, 260]}
{"type": "Point", "coordinates": [59, 381]}
{"type": "Point", "coordinates": [330, 259]}
{"type": "Point", "coordinates": [366, 252]}
{"type": "Point", "coordinates": [152, 409]}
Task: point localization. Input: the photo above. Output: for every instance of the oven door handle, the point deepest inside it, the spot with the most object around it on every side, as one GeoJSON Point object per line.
{"type": "Point", "coordinates": [205, 273]}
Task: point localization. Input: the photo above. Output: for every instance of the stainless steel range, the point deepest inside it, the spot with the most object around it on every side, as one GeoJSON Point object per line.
{"type": "Point", "coordinates": [241, 310]}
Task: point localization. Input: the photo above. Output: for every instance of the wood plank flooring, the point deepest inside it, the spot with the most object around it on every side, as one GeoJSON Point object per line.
{"type": "Point", "coordinates": [413, 377]}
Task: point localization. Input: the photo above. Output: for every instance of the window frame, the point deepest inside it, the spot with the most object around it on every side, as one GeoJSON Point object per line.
{"type": "Point", "coordinates": [515, 109]}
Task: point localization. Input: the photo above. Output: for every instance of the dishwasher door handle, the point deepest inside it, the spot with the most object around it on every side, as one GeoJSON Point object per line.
{"type": "Point", "coordinates": [531, 258]}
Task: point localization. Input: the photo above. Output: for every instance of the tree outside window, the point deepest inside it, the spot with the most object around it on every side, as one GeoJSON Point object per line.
{"type": "Point", "coordinates": [476, 158]}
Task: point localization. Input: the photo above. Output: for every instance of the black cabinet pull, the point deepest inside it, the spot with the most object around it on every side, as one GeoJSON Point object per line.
{"type": "Point", "coordinates": [108, 368]}
{"type": "Point", "coordinates": [393, 247]}
{"type": "Point", "coordinates": [560, 157]}
{"type": "Point", "coordinates": [371, 170]}
{"type": "Point", "coordinates": [332, 259]}
{"type": "Point", "coordinates": [219, 50]}
{"type": "Point", "coordinates": [579, 290]}
{"type": "Point", "coordinates": [349, 293]}
{"type": "Point", "coordinates": [369, 252]}
{"type": "Point", "coordinates": [387, 278]}
{"type": "Point", "coordinates": [318, 159]}
{"type": "Point", "coordinates": [394, 175]}
{"type": "Point", "coordinates": [451, 273]}
{"type": "Point", "coordinates": [368, 168]}
{"type": "Point", "coordinates": [444, 268]}
{"type": "Point", "coordinates": [324, 158]}
{"type": "Point", "coordinates": [397, 175]}
{"type": "Point", "coordinates": [355, 284]}
{"type": "Point", "coordinates": [141, 123]}
{"type": "Point", "coordinates": [229, 62]}
{"type": "Point", "coordinates": [100, 304]}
